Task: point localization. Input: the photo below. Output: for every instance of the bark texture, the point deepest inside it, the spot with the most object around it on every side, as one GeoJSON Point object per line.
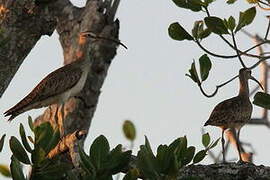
{"type": "Point", "coordinates": [229, 171]}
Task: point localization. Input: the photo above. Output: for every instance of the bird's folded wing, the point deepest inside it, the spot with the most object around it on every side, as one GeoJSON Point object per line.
{"type": "Point", "coordinates": [56, 82]}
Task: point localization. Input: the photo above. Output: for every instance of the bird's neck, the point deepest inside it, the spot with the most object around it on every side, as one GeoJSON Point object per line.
{"type": "Point", "coordinates": [243, 89]}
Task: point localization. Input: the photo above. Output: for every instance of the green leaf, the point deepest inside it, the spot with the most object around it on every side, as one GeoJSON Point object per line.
{"type": "Point", "coordinates": [38, 155]}
{"type": "Point", "coordinates": [43, 135]}
{"type": "Point", "coordinates": [54, 140]}
{"type": "Point", "coordinates": [199, 156]}
{"type": "Point", "coordinates": [4, 170]}
{"type": "Point", "coordinates": [99, 151]}
{"type": "Point", "coordinates": [246, 18]}
{"type": "Point", "coordinates": [193, 73]}
{"type": "Point", "coordinates": [30, 123]}
{"type": "Point", "coordinates": [16, 169]}
{"type": "Point", "coordinates": [85, 162]}
{"type": "Point", "coordinates": [24, 140]}
{"type": "Point", "coordinates": [163, 158]}
{"type": "Point", "coordinates": [132, 174]}
{"type": "Point", "coordinates": [196, 29]}
{"type": "Point", "coordinates": [18, 150]}
{"type": "Point", "coordinates": [214, 144]}
{"type": "Point", "coordinates": [231, 1]}
{"type": "Point", "coordinates": [177, 32]}
{"type": "Point", "coordinates": [2, 140]}
{"type": "Point", "coordinates": [129, 130]}
{"type": "Point", "coordinates": [216, 25]}
{"type": "Point", "coordinates": [205, 33]}
{"type": "Point", "coordinates": [262, 99]}
{"type": "Point", "coordinates": [231, 23]}
{"type": "Point", "coordinates": [193, 5]}
{"type": "Point", "coordinates": [54, 171]}
{"type": "Point", "coordinates": [189, 154]}
{"type": "Point", "coordinates": [117, 160]}
{"type": "Point", "coordinates": [205, 139]}
{"type": "Point", "coordinates": [146, 162]}
{"type": "Point", "coordinates": [205, 66]}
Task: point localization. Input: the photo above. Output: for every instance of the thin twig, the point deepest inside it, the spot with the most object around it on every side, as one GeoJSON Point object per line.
{"type": "Point", "coordinates": [237, 52]}
{"type": "Point", "coordinates": [217, 87]}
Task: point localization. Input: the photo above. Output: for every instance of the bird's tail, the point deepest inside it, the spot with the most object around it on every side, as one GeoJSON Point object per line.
{"type": "Point", "coordinates": [16, 110]}
{"type": "Point", "coordinates": [207, 123]}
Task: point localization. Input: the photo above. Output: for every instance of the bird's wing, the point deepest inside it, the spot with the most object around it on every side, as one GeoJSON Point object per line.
{"type": "Point", "coordinates": [53, 84]}
{"type": "Point", "coordinates": [224, 112]}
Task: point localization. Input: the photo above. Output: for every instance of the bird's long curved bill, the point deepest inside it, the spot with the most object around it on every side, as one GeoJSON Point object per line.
{"type": "Point", "coordinates": [257, 82]}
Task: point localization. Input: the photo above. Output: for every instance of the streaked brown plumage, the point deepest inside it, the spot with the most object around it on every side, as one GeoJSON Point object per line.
{"type": "Point", "coordinates": [58, 86]}
{"type": "Point", "coordinates": [234, 112]}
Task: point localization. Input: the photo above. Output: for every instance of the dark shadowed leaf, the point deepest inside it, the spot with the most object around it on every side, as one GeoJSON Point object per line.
{"type": "Point", "coordinates": [43, 135]}
{"type": "Point", "coordinates": [4, 170]}
{"type": "Point", "coordinates": [189, 154]}
{"type": "Point", "coordinates": [16, 169]}
{"type": "Point", "coordinates": [117, 159]}
{"type": "Point", "coordinates": [262, 99]}
{"type": "Point", "coordinates": [132, 174]}
{"type": "Point", "coordinates": [193, 5]}
{"type": "Point", "coordinates": [2, 140]}
{"type": "Point", "coordinates": [30, 123]}
{"type": "Point", "coordinates": [18, 150]}
{"type": "Point", "coordinates": [214, 144]}
{"type": "Point", "coordinates": [216, 25]}
{"type": "Point", "coordinates": [129, 130]}
{"type": "Point", "coordinates": [38, 155]}
{"type": "Point", "coordinates": [24, 140]}
{"type": "Point", "coordinates": [193, 73]}
{"type": "Point", "coordinates": [177, 32]}
{"type": "Point", "coordinates": [205, 66]}
{"type": "Point", "coordinates": [199, 156]}
{"type": "Point", "coordinates": [231, 1]}
{"type": "Point", "coordinates": [246, 18]}
{"type": "Point", "coordinates": [99, 151]}
{"type": "Point", "coordinates": [205, 139]}
{"type": "Point", "coordinates": [231, 23]}
{"type": "Point", "coordinates": [85, 162]}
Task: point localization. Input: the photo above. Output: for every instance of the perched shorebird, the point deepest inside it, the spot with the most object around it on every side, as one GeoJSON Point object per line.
{"type": "Point", "coordinates": [61, 84]}
{"type": "Point", "coordinates": [234, 112]}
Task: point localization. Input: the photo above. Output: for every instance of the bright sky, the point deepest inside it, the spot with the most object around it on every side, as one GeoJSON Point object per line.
{"type": "Point", "coordinates": [147, 82]}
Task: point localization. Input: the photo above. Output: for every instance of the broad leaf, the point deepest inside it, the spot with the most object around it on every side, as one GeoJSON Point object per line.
{"type": "Point", "coordinates": [129, 130]}
{"type": "Point", "coordinates": [262, 99]}
{"type": "Point", "coordinates": [30, 123]}
{"type": "Point", "coordinates": [193, 73]}
{"type": "Point", "coordinates": [199, 156]}
{"type": "Point", "coordinates": [216, 25]}
{"type": "Point", "coordinates": [16, 169]}
{"type": "Point", "coordinates": [177, 32]}
{"type": "Point", "coordinates": [24, 140]}
{"type": "Point", "coordinates": [189, 154]}
{"type": "Point", "coordinates": [18, 150]}
{"type": "Point", "coordinates": [231, 23]}
{"type": "Point", "coordinates": [246, 18]}
{"type": "Point", "coordinates": [214, 144]}
{"type": "Point", "coordinates": [193, 5]}
{"type": "Point", "coordinates": [99, 151]}
{"type": "Point", "coordinates": [205, 66]}
{"type": "Point", "coordinates": [205, 139]}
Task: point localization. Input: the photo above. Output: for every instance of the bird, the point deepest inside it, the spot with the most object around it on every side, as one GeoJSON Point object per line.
{"type": "Point", "coordinates": [61, 84]}
{"type": "Point", "coordinates": [234, 112]}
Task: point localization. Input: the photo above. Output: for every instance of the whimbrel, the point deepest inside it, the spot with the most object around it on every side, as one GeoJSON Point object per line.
{"type": "Point", "coordinates": [61, 84]}
{"type": "Point", "coordinates": [234, 112]}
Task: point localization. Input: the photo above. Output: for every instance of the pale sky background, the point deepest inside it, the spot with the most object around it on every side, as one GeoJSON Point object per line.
{"type": "Point", "coordinates": [147, 82]}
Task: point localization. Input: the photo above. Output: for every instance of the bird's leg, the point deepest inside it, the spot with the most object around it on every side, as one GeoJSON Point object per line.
{"type": "Point", "coordinates": [238, 146]}
{"type": "Point", "coordinates": [223, 142]}
{"type": "Point", "coordinates": [61, 124]}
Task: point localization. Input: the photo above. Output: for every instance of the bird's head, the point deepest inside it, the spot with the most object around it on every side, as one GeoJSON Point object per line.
{"type": "Point", "coordinates": [245, 73]}
{"type": "Point", "coordinates": [88, 35]}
